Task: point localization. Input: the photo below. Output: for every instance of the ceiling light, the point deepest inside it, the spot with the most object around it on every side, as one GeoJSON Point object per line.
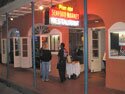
{"type": "Point", "coordinates": [40, 7]}
{"type": "Point", "coordinates": [96, 21]}
{"type": "Point", "coordinates": [11, 19]}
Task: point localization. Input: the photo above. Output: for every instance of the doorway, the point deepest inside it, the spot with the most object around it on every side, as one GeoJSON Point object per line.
{"type": "Point", "coordinates": [76, 44]}
{"type": "Point", "coordinates": [96, 48]}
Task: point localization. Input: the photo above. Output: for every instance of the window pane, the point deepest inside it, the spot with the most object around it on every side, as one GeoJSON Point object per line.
{"type": "Point", "coordinates": [17, 53]}
{"type": "Point", "coordinates": [95, 34]}
{"type": "Point", "coordinates": [95, 44]}
{"type": "Point", "coordinates": [55, 42]}
{"type": "Point", "coordinates": [25, 54]}
{"type": "Point", "coordinates": [115, 48]}
{"type": "Point", "coordinates": [24, 41]}
{"type": "Point", "coordinates": [24, 47]}
{"type": "Point", "coordinates": [95, 53]}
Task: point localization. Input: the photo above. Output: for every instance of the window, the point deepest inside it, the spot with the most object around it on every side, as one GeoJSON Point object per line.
{"type": "Point", "coordinates": [24, 47]}
{"type": "Point", "coordinates": [117, 41]}
{"type": "Point", "coordinates": [17, 47]}
{"type": "Point", "coordinates": [117, 44]}
{"type": "Point", "coordinates": [95, 43]}
{"type": "Point", "coordinates": [55, 42]}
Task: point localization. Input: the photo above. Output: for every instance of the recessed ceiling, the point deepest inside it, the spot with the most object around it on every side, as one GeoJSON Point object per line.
{"type": "Point", "coordinates": [4, 2]}
{"type": "Point", "coordinates": [25, 9]}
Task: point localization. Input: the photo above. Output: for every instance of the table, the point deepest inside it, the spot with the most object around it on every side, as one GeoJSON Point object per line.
{"type": "Point", "coordinates": [73, 68]}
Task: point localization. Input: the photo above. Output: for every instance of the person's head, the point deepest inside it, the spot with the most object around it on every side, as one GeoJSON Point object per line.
{"type": "Point", "coordinates": [62, 45]}
{"type": "Point", "coordinates": [45, 46]}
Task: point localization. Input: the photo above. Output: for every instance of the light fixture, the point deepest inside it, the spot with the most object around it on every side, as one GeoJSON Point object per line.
{"type": "Point", "coordinates": [96, 21]}
{"type": "Point", "coordinates": [40, 7]}
{"type": "Point", "coordinates": [11, 19]}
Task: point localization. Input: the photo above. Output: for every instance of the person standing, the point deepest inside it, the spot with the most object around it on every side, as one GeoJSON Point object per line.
{"type": "Point", "coordinates": [104, 61]}
{"type": "Point", "coordinates": [45, 57]}
{"type": "Point", "coordinates": [61, 66]}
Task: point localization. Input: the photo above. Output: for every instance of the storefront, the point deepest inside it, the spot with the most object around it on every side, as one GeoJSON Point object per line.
{"type": "Point", "coordinates": [64, 24]}
{"type": "Point", "coordinates": [113, 24]}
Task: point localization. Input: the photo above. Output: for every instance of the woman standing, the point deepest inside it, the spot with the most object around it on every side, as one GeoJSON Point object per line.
{"type": "Point", "coordinates": [45, 58]}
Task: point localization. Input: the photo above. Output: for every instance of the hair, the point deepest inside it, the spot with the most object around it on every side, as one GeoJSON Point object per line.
{"type": "Point", "coordinates": [45, 46]}
{"type": "Point", "coordinates": [62, 44]}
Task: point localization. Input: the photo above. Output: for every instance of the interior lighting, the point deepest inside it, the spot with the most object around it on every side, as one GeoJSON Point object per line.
{"type": "Point", "coordinates": [40, 7]}
{"type": "Point", "coordinates": [96, 21]}
{"type": "Point", "coordinates": [11, 19]}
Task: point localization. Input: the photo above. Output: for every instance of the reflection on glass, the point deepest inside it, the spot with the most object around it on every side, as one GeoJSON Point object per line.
{"type": "Point", "coordinates": [25, 54]}
{"type": "Point", "coordinates": [17, 53]}
{"type": "Point", "coordinates": [95, 44]}
{"type": "Point", "coordinates": [95, 53]}
{"type": "Point", "coordinates": [24, 47]}
{"type": "Point", "coordinates": [117, 40]}
{"type": "Point", "coordinates": [17, 46]}
{"type": "Point", "coordinates": [3, 47]}
{"type": "Point", "coordinates": [55, 42]}
{"type": "Point", "coordinates": [95, 34]}
{"type": "Point", "coordinates": [24, 41]}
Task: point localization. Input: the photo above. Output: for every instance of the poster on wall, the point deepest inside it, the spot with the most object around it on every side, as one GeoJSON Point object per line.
{"type": "Point", "coordinates": [121, 39]}
{"type": "Point", "coordinates": [122, 44]}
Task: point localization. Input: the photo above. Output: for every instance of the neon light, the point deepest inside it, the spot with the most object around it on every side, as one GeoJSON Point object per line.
{"type": "Point", "coordinates": [63, 17]}
{"type": "Point", "coordinates": [63, 14]}
{"type": "Point", "coordinates": [61, 7]}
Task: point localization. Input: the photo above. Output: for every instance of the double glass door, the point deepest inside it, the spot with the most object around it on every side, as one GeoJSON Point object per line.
{"type": "Point", "coordinates": [19, 52]}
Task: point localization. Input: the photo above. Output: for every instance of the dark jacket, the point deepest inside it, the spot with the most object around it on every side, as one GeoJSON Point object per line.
{"type": "Point", "coordinates": [45, 55]}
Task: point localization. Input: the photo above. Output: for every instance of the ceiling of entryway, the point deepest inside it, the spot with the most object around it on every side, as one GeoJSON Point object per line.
{"type": "Point", "coordinates": [17, 8]}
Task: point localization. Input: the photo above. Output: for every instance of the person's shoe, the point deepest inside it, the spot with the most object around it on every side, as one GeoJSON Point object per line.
{"type": "Point", "coordinates": [47, 80]}
{"type": "Point", "coordinates": [43, 80]}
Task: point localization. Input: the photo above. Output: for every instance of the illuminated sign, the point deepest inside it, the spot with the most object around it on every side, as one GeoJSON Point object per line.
{"type": "Point", "coordinates": [65, 16]}
{"type": "Point", "coordinates": [61, 7]}
{"type": "Point", "coordinates": [61, 21]}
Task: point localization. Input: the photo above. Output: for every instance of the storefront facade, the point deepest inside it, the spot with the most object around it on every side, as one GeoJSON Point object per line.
{"type": "Point", "coordinates": [107, 11]}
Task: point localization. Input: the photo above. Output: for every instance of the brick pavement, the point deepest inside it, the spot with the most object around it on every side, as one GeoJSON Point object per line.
{"type": "Point", "coordinates": [24, 78]}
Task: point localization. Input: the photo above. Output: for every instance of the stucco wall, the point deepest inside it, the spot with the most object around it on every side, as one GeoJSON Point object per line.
{"type": "Point", "coordinates": [111, 11]}
{"type": "Point", "coordinates": [65, 34]}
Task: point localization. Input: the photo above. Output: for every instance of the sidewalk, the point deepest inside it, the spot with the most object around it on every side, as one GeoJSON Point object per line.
{"type": "Point", "coordinates": [7, 90]}
{"type": "Point", "coordinates": [23, 78]}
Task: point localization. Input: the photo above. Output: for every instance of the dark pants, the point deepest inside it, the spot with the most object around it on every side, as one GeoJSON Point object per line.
{"type": "Point", "coordinates": [62, 75]}
{"type": "Point", "coordinates": [104, 65]}
{"type": "Point", "coordinates": [62, 71]}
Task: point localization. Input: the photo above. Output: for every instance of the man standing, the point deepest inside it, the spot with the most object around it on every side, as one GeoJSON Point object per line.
{"type": "Point", "coordinates": [62, 54]}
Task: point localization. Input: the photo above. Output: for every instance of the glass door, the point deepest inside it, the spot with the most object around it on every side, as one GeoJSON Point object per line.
{"type": "Point", "coordinates": [26, 55]}
{"type": "Point", "coordinates": [16, 51]}
{"type": "Point", "coordinates": [94, 50]}
{"type": "Point", "coordinates": [3, 50]}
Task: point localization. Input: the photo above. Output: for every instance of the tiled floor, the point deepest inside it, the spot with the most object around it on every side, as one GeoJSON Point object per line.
{"type": "Point", "coordinates": [24, 78]}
